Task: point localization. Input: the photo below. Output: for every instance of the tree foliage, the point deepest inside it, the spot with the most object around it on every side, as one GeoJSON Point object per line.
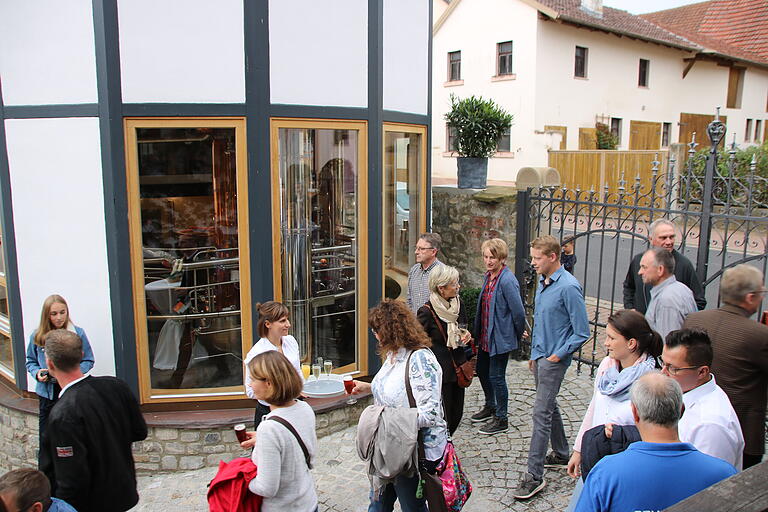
{"type": "Point", "coordinates": [605, 139]}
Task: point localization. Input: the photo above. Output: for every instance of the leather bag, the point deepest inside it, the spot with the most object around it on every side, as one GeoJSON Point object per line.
{"type": "Point", "coordinates": [464, 370]}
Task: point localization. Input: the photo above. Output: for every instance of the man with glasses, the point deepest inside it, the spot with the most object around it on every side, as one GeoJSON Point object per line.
{"type": "Point", "coordinates": [740, 347]}
{"type": "Point", "coordinates": [418, 277]}
{"type": "Point", "coordinates": [709, 422]}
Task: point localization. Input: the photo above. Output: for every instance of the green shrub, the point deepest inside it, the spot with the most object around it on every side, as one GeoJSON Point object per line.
{"type": "Point", "coordinates": [737, 178]}
{"type": "Point", "coordinates": [605, 139]}
{"type": "Point", "coordinates": [479, 124]}
{"type": "Point", "coordinates": [469, 297]}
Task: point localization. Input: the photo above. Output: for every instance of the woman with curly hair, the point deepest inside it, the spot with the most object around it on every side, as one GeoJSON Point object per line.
{"type": "Point", "coordinates": [400, 335]}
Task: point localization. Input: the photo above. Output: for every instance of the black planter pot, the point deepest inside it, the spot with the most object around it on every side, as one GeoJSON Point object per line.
{"type": "Point", "coordinates": [473, 172]}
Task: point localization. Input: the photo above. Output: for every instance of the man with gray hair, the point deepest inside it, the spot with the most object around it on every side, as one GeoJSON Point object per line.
{"type": "Point", "coordinates": [671, 300]}
{"type": "Point", "coordinates": [740, 352]}
{"type": "Point", "coordinates": [86, 448]}
{"type": "Point", "coordinates": [427, 247]}
{"type": "Point", "coordinates": [637, 294]}
{"type": "Point", "coordinates": [658, 471]}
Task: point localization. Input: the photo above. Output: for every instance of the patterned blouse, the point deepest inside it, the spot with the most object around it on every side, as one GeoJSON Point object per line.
{"type": "Point", "coordinates": [388, 389]}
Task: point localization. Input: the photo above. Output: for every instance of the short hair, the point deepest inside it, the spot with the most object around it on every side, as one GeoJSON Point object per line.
{"type": "Point", "coordinates": [657, 223]}
{"type": "Point", "coordinates": [397, 327]}
{"type": "Point", "coordinates": [275, 368]}
{"type": "Point", "coordinates": [663, 258]}
{"type": "Point", "coordinates": [64, 348]}
{"type": "Point", "coordinates": [547, 244]}
{"type": "Point", "coordinates": [697, 344]}
{"type": "Point", "coordinates": [658, 399]}
{"type": "Point", "coordinates": [497, 247]}
{"type": "Point", "coordinates": [433, 239]}
{"type": "Point", "coordinates": [442, 275]}
{"type": "Point", "coordinates": [270, 311]}
{"type": "Point", "coordinates": [28, 486]}
{"type": "Point", "coordinates": [739, 281]}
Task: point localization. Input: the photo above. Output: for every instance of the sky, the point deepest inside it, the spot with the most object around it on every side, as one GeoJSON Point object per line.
{"type": "Point", "coordinates": [643, 6]}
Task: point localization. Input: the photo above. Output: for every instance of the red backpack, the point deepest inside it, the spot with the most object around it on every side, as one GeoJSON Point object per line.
{"type": "Point", "coordinates": [228, 491]}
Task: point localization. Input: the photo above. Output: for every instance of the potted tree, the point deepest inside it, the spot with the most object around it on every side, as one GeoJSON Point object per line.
{"type": "Point", "coordinates": [478, 125]}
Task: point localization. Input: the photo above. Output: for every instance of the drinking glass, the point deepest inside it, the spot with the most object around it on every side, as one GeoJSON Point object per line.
{"type": "Point", "coordinates": [306, 371]}
{"type": "Point", "coordinates": [316, 370]}
{"type": "Point", "coordinates": [328, 367]}
{"type": "Point", "coordinates": [349, 385]}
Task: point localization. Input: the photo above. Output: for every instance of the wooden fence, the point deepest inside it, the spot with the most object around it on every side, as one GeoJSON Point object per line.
{"type": "Point", "coordinates": [596, 169]}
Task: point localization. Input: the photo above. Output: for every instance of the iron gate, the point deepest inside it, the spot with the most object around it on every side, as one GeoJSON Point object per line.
{"type": "Point", "coordinates": [719, 208]}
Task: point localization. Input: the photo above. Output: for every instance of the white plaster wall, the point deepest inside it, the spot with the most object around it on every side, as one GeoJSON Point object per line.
{"type": "Point", "coordinates": [182, 51]}
{"type": "Point", "coordinates": [58, 209]}
{"type": "Point", "coordinates": [47, 52]}
{"type": "Point", "coordinates": [472, 31]}
{"type": "Point", "coordinates": [753, 104]}
{"type": "Point", "coordinates": [319, 52]}
{"type": "Point", "coordinates": [406, 55]}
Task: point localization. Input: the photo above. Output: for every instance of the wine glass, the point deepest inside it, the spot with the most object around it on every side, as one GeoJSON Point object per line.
{"type": "Point", "coordinates": [328, 367]}
{"type": "Point", "coordinates": [349, 385]}
{"type": "Point", "coordinates": [316, 370]}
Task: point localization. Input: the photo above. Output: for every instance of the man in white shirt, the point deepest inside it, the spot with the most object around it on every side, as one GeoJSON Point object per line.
{"type": "Point", "coordinates": [709, 422]}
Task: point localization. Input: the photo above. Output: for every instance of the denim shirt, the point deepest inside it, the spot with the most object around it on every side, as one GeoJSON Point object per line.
{"type": "Point", "coordinates": [426, 375]}
{"type": "Point", "coordinates": [36, 362]}
{"type": "Point", "coordinates": [506, 316]}
{"type": "Point", "coordinates": [560, 317]}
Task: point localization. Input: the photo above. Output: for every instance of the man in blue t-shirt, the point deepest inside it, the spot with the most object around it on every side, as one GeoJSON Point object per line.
{"type": "Point", "coordinates": [659, 471]}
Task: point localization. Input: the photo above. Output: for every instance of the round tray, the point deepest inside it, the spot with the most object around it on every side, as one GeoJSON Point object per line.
{"type": "Point", "coordinates": [324, 387]}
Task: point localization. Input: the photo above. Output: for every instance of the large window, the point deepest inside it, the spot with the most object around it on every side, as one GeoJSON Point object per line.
{"type": "Point", "coordinates": [6, 349]}
{"type": "Point", "coordinates": [187, 199]}
{"type": "Point", "coordinates": [580, 62]}
{"type": "Point", "coordinates": [454, 66]}
{"type": "Point", "coordinates": [404, 193]}
{"type": "Point", "coordinates": [319, 215]}
{"type": "Point", "coordinates": [504, 58]}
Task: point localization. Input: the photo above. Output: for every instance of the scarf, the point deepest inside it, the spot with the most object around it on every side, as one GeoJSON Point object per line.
{"type": "Point", "coordinates": [616, 384]}
{"type": "Point", "coordinates": [448, 312]}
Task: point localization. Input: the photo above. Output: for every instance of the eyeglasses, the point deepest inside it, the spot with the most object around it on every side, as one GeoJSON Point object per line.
{"type": "Point", "coordinates": [674, 370]}
{"type": "Point", "coordinates": [423, 248]}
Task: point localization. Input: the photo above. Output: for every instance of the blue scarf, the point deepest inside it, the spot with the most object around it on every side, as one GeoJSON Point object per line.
{"type": "Point", "coordinates": [616, 384]}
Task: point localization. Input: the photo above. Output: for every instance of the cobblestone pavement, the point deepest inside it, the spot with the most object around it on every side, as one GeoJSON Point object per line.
{"type": "Point", "coordinates": [494, 464]}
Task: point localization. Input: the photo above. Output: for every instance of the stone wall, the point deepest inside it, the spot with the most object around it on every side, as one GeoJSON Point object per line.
{"type": "Point", "coordinates": [167, 448]}
{"type": "Point", "coordinates": [466, 217]}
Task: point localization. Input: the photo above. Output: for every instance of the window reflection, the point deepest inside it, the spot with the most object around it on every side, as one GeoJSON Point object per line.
{"type": "Point", "coordinates": [188, 191]}
{"type": "Point", "coordinates": [402, 169]}
{"type": "Point", "coordinates": [318, 204]}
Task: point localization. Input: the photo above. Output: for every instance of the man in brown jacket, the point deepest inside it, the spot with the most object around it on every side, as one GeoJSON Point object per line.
{"type": "Point", "coordinates": [740, 347]}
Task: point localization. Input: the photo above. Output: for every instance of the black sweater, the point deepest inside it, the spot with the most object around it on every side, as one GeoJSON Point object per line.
{"type": "Point", "coordinates": [86, 451]}
{"type": "Point", "coordinates": [443, 354]}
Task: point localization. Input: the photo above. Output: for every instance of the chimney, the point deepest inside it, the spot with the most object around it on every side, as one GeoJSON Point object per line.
{"type": "Point", "coordinates": [593, 7]}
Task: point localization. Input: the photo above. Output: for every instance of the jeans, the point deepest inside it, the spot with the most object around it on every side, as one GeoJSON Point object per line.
{"type": "Point", "coordinates": [547, 422]}
{"type": "Point", "coordinates": [492, 370]}
{"type": "Point", "coordinates": [403, 490]}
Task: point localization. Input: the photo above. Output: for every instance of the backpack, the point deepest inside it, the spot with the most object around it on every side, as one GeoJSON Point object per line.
{"type": "Point", "coordinates": [228, 491]}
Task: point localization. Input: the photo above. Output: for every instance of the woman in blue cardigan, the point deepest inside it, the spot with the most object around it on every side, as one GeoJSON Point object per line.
{"type": "Point", "coordinates": [499, 325]}
{"type": "Point", "coordinates": [55, 315]}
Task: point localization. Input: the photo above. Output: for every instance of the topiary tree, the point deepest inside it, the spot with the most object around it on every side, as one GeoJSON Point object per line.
{"type": "Point", "coordinates": [479, 124]}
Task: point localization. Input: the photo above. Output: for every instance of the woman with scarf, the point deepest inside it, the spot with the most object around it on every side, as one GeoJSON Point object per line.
{"type": "Point", "coordinates": [441, 317]}
{"type": "Point", "coordinates": [633, 348]}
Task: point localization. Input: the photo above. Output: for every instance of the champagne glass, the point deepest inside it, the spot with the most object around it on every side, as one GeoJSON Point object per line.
{"type": "Point", "coordinates": [328, 367]}
{"type": "Point", "coordinates": [349, 385]}
{"type": "Point", "coordinates": [316, 370]}
{"type": "Point", "coordinates": [306, 371]}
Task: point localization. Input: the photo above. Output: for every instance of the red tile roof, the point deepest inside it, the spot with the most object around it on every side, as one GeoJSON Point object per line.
{"type": "Point", "coordinates": [737, 28]}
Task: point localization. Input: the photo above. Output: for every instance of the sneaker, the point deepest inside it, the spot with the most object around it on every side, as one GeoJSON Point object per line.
{"type": "Point", "coordinates": [553, 460]}
{"type": "Point", "coordinates": [495, 426]}
{"type": "Point", "coordinates": [484, 414]}
{"type": "Point", "coordinates": [529, 487]}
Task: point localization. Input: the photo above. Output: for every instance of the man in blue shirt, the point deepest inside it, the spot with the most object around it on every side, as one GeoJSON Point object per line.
{"type": "Point", "coordinates": [560, 327]}
{"type": "Point", "coordinates": [658, 471]}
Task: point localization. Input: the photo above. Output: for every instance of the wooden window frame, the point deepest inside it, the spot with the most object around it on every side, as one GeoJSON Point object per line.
{"type": "Point", "coordinates": [585, 59]}
{"type": "Point", "coordinates": [643, 73]}
{"type": "Point", "coordinates": [277, 123]}
{"type": "Point", "coordinates": [507, 56]}
{"type": "Point", "coordinates": [451, 62]}
{"type": "Point", "coordinates": [146, 392]}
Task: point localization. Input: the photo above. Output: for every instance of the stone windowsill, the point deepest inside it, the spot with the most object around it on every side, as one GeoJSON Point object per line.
{"type": "Point", "coordinates": [453, 83]}
{"type": "Point", "coordinates": [504, 78]}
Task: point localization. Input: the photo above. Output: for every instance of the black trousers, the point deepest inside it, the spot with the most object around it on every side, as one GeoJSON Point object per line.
{"type": "Point", "coordinates": [453, 403]}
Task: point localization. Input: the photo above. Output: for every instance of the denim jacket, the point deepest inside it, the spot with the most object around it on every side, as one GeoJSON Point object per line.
{"type": "Point", "coordinates": [36, 362]}
{"type": "Point", "coordinates": [506, 318]}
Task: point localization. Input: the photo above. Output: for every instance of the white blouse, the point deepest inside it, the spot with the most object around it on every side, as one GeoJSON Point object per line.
{"type": "Point", "coordinates": [290, 350]}
{"type": "Point", "coordinates": [604, 409]}
{"type": "Point", "coordinates": [388, 388]}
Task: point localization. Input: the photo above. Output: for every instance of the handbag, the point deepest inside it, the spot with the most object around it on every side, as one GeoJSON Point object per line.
{"type": "Point", "coordinates": [464, 371]}
{"type": "Point", "coordinates": [448, 488]}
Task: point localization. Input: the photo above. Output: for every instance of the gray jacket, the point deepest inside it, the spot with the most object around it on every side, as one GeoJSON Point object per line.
{"type": "Point", "coordinates": [387, 438]}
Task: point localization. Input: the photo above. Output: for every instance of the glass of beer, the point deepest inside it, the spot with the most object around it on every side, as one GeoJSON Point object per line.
{"type": "Point", "coordinates": [328, 367]}
{"type": "Point", "coordinates": [349, 385]}
{"type": "Point", "coordinates": [316, 370]}
{"type": "Point", "coordinates": [240, 432]}
{"type": "Point", "coordinates": [306, 371]}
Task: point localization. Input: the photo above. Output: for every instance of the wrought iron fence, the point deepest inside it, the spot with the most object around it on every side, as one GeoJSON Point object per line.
{"type": "Point", "coordinates": [720, 213]}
